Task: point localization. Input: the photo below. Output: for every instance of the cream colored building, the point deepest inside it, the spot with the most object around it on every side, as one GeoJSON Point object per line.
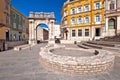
{"type": "Point", "coordinates": [19, 26]}
{"type": "Point", "coordinates": [57, 30]}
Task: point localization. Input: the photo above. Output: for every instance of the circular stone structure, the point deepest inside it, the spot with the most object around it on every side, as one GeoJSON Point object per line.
{"type": "Point", "coordinates": [72, 52]}
{"type": "Point", "coordinates": [101, 62]}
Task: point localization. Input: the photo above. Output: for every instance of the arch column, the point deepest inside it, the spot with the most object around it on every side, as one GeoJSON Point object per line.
{"type": "Point", "coordinates": [32, 33]}
{"type": "Point", "coordinates": [51, 30]}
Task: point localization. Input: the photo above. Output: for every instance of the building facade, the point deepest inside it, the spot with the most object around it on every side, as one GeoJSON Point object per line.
{"type": "Point", "coordinates": [57, 31]}
{"type": "Point", "coordinates": [4, 23]}
{"type": "Point", "coordinates": [112, 15]}
{"type": "Point", "coordinates": [83, 20]}
{"type": "Point", "coordinates": [4, 19]}
{"type": "Point", "coordinates": [19, 26]}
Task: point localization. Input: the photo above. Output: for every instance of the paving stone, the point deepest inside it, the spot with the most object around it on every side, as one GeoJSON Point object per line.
{"type": "Point", "coordinates": [25, 65]}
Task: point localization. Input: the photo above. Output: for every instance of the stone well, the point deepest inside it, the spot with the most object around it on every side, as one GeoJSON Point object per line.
{"type": "Point", "coordinates": [101, 62]}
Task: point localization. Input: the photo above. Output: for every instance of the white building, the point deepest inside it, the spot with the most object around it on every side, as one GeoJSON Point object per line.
{"type": "Point", "coordinates": [57, 31]}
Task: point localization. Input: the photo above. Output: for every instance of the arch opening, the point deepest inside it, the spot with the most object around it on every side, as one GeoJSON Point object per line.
{"type": "Point", "coordinates": [42, 33]}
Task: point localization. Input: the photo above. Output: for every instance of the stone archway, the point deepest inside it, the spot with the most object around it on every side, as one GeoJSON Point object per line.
{"type": "Point", "coordinates": [36, 18]}
{"type": "Point", "coordinates": [42, 33]}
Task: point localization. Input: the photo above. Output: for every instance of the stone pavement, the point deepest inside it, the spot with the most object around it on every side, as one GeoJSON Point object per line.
{"type": "Point", "coordinates": [25, 65]}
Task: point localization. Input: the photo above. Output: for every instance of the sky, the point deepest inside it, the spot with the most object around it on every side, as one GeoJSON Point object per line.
{"type": "Point", "coordinates": [25, 6]}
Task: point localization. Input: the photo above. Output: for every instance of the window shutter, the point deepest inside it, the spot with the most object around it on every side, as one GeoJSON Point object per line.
{"type": "Point", "coordinates": [100, 4]}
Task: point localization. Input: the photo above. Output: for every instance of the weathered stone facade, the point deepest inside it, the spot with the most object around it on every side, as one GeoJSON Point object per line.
{"type": "Point", "coordinates": [112, 20]}
{"type": "Point", "coordinates": [102, 62]}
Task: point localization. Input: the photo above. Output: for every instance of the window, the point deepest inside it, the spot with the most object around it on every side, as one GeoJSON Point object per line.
{"type": "Point", "coordinates": [79, 9]}
{"type": "Point", "coordinates": [14, 25]}
{"type": "Point", "coordinates": [73, 33]}
{"type": "Point", "coordinates": [97, 18]}
{"type": "Point", "coordinates": [14, 15]}
{"type": "Point", "coordinates": [6, 19]}
{"type": "Point", "coordinates": [65, 13]}
{"type": "Point", "coordinates": [79, 32]}
{"type": "Point", "coordinates": [73, 21]}
{"type": "Point", "coordinates": [79, 20]}
{"type": "Point", "coordinates": [73, 11]}
{"type": "Point", "coordinates": [97, 5]}
{"type": "Point", "coordinates": [111, 24]}
{"type": "Point", "coordinates": [6, 6]}
{"type": "Point", "coordinates": [86, 8]}
{"type": "Point", "coordinates": [86, 32]}
{"type": "Point", "coordinates": [20, 18]}
{"type": "Point", "coordinates": [27, 29]}
{"type": "Point", "coordinates": [86, 19]}
{"type": "Point", "coordinates": [112, 5]}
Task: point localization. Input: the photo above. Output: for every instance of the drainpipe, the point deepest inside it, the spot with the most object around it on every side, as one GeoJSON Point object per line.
{"type": "Point", "coordinates": [105, 15]}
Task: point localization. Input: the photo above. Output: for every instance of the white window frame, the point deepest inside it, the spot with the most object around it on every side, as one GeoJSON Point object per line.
{"type": "Point", "coordinates": [80, 22]}
{"type": "Point", "coordinates": [95, 5]}
{"type": "Point", "coordinates": [96, 20]}
{"type": "Point", "coordinates": [73, 22]}
{"type": "Point", "coordinates": [72, 10]}
{"type": "Point", "coordinates": [81, 9]}
{"type": "Point", "coordinates": [14, 25]}
{"type": "Point", "coordinates": [85, 21]}
{"type": "Point", "coordinates": [85, 9]}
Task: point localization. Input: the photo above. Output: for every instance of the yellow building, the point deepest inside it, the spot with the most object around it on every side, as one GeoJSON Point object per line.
{"type": "Point", "coordinates": [83, 20]}
{"type": "Point", "coordinates": [19, 25]}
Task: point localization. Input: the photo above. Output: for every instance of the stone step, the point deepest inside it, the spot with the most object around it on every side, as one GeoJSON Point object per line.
{"type": "Point", "coordinates": [101, 43]}
{"type": "Point", "coordinates": [92, 45]}
{"type": "Point", "coordinates": [83, 46]}
{"type": "Point", "coordinates": [101, 47]}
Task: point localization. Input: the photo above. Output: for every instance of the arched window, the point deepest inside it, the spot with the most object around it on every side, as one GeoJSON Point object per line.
{"type": "Point", "coordinates": [86, 19]}
{"type": "Point", "coordinates": [73, 21]}
{"type": "Point", "coordinates": [112, 5]}
{"type": "Point", "coordinates": [97, 18]}
{"type": "Point", "coordinates": [111, 24]}
{"type": "Point", "coordinates": [79, 20]}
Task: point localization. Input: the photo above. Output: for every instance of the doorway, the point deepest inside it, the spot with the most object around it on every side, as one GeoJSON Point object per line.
{"type": "Point", "coordinates": [7, 35]}
{"type": "Point", "coordinates": [97, 32]}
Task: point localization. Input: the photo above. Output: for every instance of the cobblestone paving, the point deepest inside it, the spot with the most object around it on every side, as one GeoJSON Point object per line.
{"type": "Point", "coordinates": [25, 65]}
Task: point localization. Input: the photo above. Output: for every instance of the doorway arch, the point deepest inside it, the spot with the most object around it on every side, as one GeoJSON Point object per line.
{"type": "Point", "coordinates": [42, 33]}
{"type": "Point", "coordinates": [111, 24]}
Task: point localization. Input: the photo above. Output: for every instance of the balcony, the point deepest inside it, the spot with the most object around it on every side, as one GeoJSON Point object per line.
{"type": "Point", "coordinates": [111, 11]}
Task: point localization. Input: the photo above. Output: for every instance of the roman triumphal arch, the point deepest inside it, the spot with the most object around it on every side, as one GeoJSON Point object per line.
{"type": "Point", "coordinates": [36, 18]}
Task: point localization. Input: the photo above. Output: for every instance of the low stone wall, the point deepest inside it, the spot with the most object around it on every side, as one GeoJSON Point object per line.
{"type": "Point", "coordinates": [67, 42]}
{"type": "Point", "coordinates": [102, 62]}
{"type": "Point", "coordinates": [22, 47]}
{"type": "Point", "coordinates": [15, 43]}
